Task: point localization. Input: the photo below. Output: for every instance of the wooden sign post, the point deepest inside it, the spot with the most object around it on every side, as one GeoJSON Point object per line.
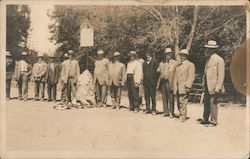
{"type": "Point", "coordinates": [87, 38]}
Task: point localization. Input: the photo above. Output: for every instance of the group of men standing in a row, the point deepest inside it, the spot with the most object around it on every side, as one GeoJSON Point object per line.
{"type": "Point", "coordinates": [174, 78]}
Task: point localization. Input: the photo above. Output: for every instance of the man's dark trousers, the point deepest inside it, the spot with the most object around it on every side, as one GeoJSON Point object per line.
{"type": "Point", "coordinates": [133, 92]}
{"type": "Point", "coordinates": [8, 85]}
{"type": "Point", "coordinates": [167, 98]}
{"type": "Point", "coordinates": [149, 92]}
{"type": "Point", "coordinates": [210, 106]}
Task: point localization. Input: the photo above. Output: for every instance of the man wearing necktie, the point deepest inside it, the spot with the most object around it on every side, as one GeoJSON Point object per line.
{"type": "Point", "coordinates": [9, 72]}
{"type": "Point", "coordinates": [101, 79]}
{"type": "Point", "coordinates": [70, 74]}
{"type": "Point", "coordinates": [167, 70]}
{"type": "Point", "coordinates": [52, 77]}
{"type": "Point", "coordinates": [183, 81]}
{"type": "Point", "coordinates": [38, 76]}
{"type": "Point", "coordinates": [149, 82]}
{"type": "Point", "coordinates": [214, 74]}
{"type": "Point", "coordinates": [22, 73]}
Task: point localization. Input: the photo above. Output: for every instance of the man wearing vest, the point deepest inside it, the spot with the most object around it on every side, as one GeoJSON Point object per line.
{"type": "Point", "coordinates": [149, 82]}
{"type": "Point", "coordinates": [9, 72]}
{"type": "Point", "coordinates": [167, 70]}
{"type": "Point", "coordinates": [22, 74]}
{"type": "Point", "coordinates": [116, 76]}
{"type": "Point", "coordinates": [183, 81]}
{"type": "Point", "coordinates": [134, 77]}
{"type": "Point", "coordinates": [70, 73]}
{"type": "Point", "coordinates": [52, 77]}
{"type": "Point", "coordinates": [38, 76]}
{"type": "Point", "coordinates": [213, 79]}
{"type": "Point", "coordinates": [101, 79]}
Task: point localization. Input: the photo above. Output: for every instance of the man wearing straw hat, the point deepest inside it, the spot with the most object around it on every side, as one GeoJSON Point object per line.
{"type": "Point", "coordinates": [52, 77]}
{"type": "Point", "coordinates": [116, 78]}
{"type": "Point", "coordinates": [38, 76]}
{"type": "Point", "coordinates": [167, 70]}
{"type": "Point", "coordinates": [22, 73]}
{"type": "Point", "coordinates": [183, 81]}
{"type": "Point", "coordinates": [101, 79]}
{"type": "Point", "coordinates": [71, 72]}
{"type": "Point", "coordinates": [9, 72]}
{"type": "Point", "coordinates": [134, 78]}
{"type": "Point", "coordinates": [213, 79]}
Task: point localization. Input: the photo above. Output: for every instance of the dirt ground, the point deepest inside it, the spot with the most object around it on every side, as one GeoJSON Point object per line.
{"type": "Point", "coordinates": [103, 132]}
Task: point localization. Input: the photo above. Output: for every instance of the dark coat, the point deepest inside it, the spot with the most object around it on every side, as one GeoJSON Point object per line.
{"type": "Point", "coordinates": [52, 76]}
{"type": "Point", "coordinates": [151, 70]}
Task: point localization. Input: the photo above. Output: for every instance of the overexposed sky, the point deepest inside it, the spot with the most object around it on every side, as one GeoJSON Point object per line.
{"type": "Point", "coordinates": [38, 39]}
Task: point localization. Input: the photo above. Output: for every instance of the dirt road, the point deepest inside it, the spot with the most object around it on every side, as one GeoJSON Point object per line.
{"type": "Point", "coordinates": [36, 126]}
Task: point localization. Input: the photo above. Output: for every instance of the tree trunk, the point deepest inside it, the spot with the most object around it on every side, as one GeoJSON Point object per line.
{"type": "Point", "coordinates": [192, 32]}
{"type": "Point", "coordinates": [177, 32]}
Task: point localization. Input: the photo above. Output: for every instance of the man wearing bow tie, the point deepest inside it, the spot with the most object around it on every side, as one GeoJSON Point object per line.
{"type": "Point", "coordinates": [149, 68]}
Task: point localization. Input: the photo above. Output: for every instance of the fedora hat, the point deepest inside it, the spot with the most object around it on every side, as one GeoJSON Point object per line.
{"type": "Point", "coordinates": [116, 54]}
{"type": "Point", "coordinates": [168, 50]}
{"type": "Point", "coordinates": [70, 52]}
{"type": "Point", "coordinates": [100, 52]}
{"type": "Point", "coordinates": [40, 54]}
{"type": "Point", "coordinates": [8, 54]}
{"type": "Point", "coordinates": [24, 53]}
{"type": "Point", "coordinates": [184, 51]}
{"type": "Point", "coordinates": [65, 55]}
{"type": "Point", "coordinates": [132, 53]}
{"type": "Point", "coordinates": [211, 44]}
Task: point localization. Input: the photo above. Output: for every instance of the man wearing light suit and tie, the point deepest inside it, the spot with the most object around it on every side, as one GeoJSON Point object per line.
{"type": "Point", "coordinates": [213, 79]}
{"type": "Point", "coordinates": [116, 79]}
{"type": "Point", "coordinates": [22, 74]}
{"type": "Point", "coordinates": [183, 81]}
{"type": "Point", "coordinates": [70, 74]}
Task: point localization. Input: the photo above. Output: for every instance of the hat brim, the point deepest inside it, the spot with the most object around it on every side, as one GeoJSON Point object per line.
{"type": "Point", "coordinates": [211, 46]}
{"type": "Point", "coordinates": [183, 53]}
{"type": "Point", "coordinates": [168, 52]}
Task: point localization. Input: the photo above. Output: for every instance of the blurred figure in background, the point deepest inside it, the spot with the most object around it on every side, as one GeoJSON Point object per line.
{"type": "Point", "coordinates": [22, 74]}
{"type": "Point", "coordinates": [38, 76]}
{"type": "Point", "coordinates": [116, 76]}
{"type": "Point", "coordinates": [9, 73]}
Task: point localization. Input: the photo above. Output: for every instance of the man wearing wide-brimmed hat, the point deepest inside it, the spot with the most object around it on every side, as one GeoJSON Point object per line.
{"type": "Point", "coordinates": [213, 79]}
{"type": "Point", "coordinates": [167, 70]}
{"type": "Point", "coordinates": [70, 74]}
{"type": "Point", "coordinates": [9, 72]}
{"type": "Point", "coordinates": [116, 78]}
{"type": "Point", "coordinates": [22, 73]}
{"type": "Point", "coordinates": [101, 78]}
{"type": "Point", "coordinates": [38, 76]}
{"type": "Point", "coordinates": [183, 81]}
{"type": "Point", "coordinates": [134, 77]}
{"type": "Point", "coordinates": [52, 76]}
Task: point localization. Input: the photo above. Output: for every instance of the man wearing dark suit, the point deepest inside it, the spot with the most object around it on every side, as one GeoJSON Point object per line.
{"type": "Point", "coordinates": [149, 68]}
{"type": "Point", "coordinates": [213, 79]}
{"type": "Point", "coordinates": [52, 77]}
{"type": "Point", "coordinates": [9, 72]}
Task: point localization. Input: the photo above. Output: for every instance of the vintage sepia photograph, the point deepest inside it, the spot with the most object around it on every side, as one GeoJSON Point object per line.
{"type": "Point", "coordinates": [124, 79]}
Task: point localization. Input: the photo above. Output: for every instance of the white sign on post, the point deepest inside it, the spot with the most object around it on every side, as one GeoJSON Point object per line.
{"type": "Point", "coordinates": [87, 37]}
